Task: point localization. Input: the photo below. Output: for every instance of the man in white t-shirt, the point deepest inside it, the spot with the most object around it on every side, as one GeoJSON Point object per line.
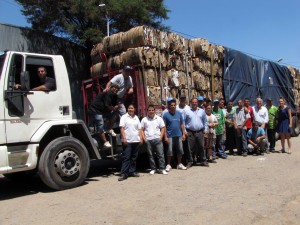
{"type": "Point", "coordinates": [124, 81]}
{"type": "Point", "coordinates": [153, 128]}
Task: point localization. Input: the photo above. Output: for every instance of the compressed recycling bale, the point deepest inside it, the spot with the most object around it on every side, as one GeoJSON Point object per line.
{"type": "Point", "coordinates": [151, 77]}
{"type": "Point", "coordinates": [95, 53]}
{"type": "Point", "coordinates": [200, 46]}
{"type": "Point", "coordinates": [113, 44]}
{"type": "Point", "coordinates": [98, 69]}
{"type": "Point", "coordinates": [154, 95]}
{"type": "Point", "coordinates": [132, 56]}
{"type": "Point", "coordinates": [177, 43]}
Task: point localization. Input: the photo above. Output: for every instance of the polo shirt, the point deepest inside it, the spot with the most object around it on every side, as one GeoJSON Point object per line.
{"type": "Point", "coordinates": [131, 127]}
{"type": "Point", "coordinates": [152, 127]}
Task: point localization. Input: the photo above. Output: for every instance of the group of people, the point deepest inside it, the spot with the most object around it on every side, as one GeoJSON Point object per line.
{"type": "Point", "coordinates": [186, 135]}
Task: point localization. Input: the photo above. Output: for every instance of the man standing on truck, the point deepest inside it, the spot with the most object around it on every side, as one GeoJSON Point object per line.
{"type": "Point", "coordinates": [103, 107]}
{"type": "Point", "coordinates": [124, 81]}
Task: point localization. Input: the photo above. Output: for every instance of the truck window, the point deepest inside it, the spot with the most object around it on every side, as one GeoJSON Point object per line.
{"type": "Point", "coordinates": [16, 67]}
{"type": "Point", "coordinates": [39, 67]}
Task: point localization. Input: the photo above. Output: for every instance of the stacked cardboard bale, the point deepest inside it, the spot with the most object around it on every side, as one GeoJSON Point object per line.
{"type": "Point", "coordinates": [171, 64]}
{"type": "Point", "coordinates": [296, 77]}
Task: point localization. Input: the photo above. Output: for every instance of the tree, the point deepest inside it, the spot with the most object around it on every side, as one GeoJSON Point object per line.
{"type": "Point", "coordinates": [84, 22]}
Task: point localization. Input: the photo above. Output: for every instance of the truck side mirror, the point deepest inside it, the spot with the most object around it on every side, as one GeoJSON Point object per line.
{"type": "Point", "coordinates": [25, 81]}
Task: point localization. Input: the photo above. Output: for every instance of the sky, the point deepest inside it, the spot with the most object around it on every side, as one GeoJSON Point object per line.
{"type": "Point", "coordinates": [263, 29]}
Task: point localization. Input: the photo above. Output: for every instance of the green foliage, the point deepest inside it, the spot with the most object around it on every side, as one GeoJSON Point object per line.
{"type": "Point", "coordinates": [84, 22]}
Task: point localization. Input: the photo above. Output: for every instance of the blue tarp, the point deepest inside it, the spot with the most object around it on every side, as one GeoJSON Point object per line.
{"type": "Point", "coordinates": [246, 77]}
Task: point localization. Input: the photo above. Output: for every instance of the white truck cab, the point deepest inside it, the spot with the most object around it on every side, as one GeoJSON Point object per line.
{"type": "Point", "coordinates": [37, 129]}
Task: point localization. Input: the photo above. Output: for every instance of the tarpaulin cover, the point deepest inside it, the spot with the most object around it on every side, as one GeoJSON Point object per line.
{"type": "Point", "coordinates": [246, 77]}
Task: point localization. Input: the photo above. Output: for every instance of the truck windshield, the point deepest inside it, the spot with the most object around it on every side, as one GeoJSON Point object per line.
{"type": "Point", "coordinates": [2, 58]}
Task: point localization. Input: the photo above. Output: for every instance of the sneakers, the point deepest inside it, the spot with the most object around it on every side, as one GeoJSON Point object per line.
{"type": "Point", "coordinates": [112, 133]}
{"type": "Point", "coordinates": [168, 168]}
{"type": "Point", "coordinates": [245, 154]}
{"type": "Point", "coordinates": [181, 167]}
{"type": "Point", "coordinates": [107, 144]}
{"type": "Point", "coordinates": [163, 172]}
{"type": "Point", "coordinates": [152, 172]}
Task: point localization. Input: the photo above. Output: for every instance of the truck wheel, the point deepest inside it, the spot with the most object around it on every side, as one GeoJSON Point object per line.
{"type": "Point", "coordinates": [295, 127]}
{"type": "Point", "coordinates": [64, 163]}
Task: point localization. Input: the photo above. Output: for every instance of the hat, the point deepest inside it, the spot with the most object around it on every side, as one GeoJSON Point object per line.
{"type": "Point", "coordinates": [216, 101]}
{"type": "Point", "coordinates": [269, 99]}
{"type": "Point", "coordinates": [127, 68]}
{"type": "Point", "coordinates": [200, 98]}
{"type": "Point", "coordinates": [182, 96]}
{"type": "Point", "coordinates": [170, 99]}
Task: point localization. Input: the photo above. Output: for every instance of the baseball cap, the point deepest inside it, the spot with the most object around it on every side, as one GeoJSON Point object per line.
{"type": "Point", "coordinates": [216, 101]}
{"type": "Point", "coordinates": [127, 67]}
{"type": "Point", "coordinates": [200, 98]}
{"type": "Point", "coordinates": [170, 99]}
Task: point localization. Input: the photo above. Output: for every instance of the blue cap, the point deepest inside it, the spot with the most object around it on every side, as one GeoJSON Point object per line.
{"type": "Point", "coordinates": [200, 98]}
{"type": "Point", "coordinates": [170, 99]}
{"type": "Point", "coordinates": [216, 101]}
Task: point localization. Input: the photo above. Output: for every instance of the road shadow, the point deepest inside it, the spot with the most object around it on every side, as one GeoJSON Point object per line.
{"type": "Point", "coordinates": [29, 185]}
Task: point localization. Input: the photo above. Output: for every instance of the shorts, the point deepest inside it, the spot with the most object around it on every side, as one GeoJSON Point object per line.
{"type": "Point", "coordinates": [98, 122]}
{"type": "Point", "coordinates": [177, 142]}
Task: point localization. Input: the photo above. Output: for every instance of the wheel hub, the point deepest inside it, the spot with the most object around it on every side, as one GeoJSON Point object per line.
{"type": "Point", "coordinates": [67, 163]}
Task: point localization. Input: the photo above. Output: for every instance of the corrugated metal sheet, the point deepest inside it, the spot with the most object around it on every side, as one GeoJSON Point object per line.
{"type": "Point", "coordinates": [26, 40]}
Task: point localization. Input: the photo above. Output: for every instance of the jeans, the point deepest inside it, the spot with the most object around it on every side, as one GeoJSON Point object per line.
{"type": "Point", "coordinates": [130, 155]}
{"type": "Point", "coordinates": [177, 142]}
{"type": "Point", "coordinates": [156, 145]}
{"type": "Point", "coordinates": [241, 140]}
{"type": "Point", "coordinates": [196, 145]}
{"type": "Point", "coordinates": [219, 150]}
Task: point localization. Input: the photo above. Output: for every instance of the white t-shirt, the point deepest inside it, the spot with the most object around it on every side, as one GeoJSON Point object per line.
{"type": "Point", "coordinates": [152, 127]}
{"type": "Point", "coordinates": [131, 127]}
{"type": "Point", "coordinates": [211, 119]}
{"type": "Point", "coordinates": [123, 84]}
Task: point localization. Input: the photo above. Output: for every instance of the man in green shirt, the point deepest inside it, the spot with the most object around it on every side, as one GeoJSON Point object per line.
{"type": "Point", "coordinates": [219, 150]}
{"type": "Point", "coordinates": [271, 126]}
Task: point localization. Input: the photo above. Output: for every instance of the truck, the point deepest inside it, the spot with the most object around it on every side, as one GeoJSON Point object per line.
{"type": "Point", "coordinates": [39, 130]}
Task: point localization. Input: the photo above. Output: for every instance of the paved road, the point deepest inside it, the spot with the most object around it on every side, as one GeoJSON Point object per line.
{"type": "Point", "coordinates": [252, 190]}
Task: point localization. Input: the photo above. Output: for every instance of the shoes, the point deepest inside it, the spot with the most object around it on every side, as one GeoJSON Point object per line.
{"type": "Point", "coordinates": [212, 161]}
{"type": "Point", "coordinates": [112, 133]}
{"type": "Point", "coordinates": [223, 156]}
{"type": "Point", "coordinates": [282, 151]}
{"type": "Point", "coordinates": [267, 151]}
{"type": "Point", "coordinates": [135, 174]}
{"type": "Point", "coordinates": [107, 144]}
{"type": "Point", "coordinates": [272, 150]}
{"type": "Point", "coordinates": [181, 167]}
{"type": "Point", "coordinates": [215, 157]}
{"type": "Point", "coordinates": [163, 172]}
{"type": "Point", "coordinates": [189, 165]}
{"type": "Point", "coordinates": [152, 172]}
{"type": "Point", "coordinates": [203, 164]}
{"type": "Point", "coordinates": [168, 168]}
{"type": "Point", "coordinates": [245, 154]}
{"type": "Point", "coordinates": [122, 177]}
{"type": "Point", "coordinates": [262, 153]}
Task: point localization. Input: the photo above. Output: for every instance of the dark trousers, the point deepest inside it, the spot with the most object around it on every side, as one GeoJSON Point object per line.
{"type": "Point", "coordinates": [272, 138]}
{"type": "Point", "coordinates": [241, 140]}
{"type": "Point", "coordinates": [230, 142]}
{"type": "Point", "coordinates": [130, 155]}
{"type": "Point", "coordinates": [196, 146]}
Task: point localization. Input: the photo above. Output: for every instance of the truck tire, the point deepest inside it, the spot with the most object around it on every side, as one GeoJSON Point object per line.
{"type": "Point", "coordinates": [295, 127]}
{"type": "Point", "coordinates": [64, 163]}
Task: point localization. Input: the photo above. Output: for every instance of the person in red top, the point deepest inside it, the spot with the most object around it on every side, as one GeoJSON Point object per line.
{"type": "Point", "coordinates": [250, 110]}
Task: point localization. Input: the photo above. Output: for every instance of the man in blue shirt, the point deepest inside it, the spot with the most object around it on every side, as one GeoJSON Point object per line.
{"type": "Point", "coordinates": [257, 139]}
{"type": "Point", "coordinates": [174, 134]}
{"type": "Point", "coordinates": [195, 125]}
